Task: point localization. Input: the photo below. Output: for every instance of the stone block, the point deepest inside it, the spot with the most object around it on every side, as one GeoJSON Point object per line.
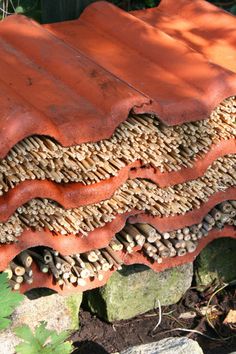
{"type": "Point", "coordinates": [170, 345]}
{"type": "Point", "coordinates": [60, 313]}
{"type": "Point", "coordinates": [216, 262]}
{"type": "Point", "coordinates": [136, 289]}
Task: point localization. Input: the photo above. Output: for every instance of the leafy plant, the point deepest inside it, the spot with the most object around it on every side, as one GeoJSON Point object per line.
{"type": "Point", "coordinates": [31, 8]}
{"type": "Point", "coordinates": [43, 341]}
{"type": "Point", "coordinates": [8, 301]}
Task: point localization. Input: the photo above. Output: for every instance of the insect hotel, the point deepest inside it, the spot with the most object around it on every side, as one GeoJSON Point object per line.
{"type": "Point", "coordinates": [117, 143]}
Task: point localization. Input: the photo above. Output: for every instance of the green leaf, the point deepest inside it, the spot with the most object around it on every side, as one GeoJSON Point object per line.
{"type": "Point", "coordinates": [25, 348]}
{"type": "Point", "coordinates": [8, 301]}
{"type": "Point", "coordinates": [19, 10]}
{"type": "Point", "coordinates": [24, 332]}
{"type": "Point", "coordinates": [66, 348]}
{"type": "Point", "coordinates": [57, 339]}
{"type": "Point", "coordinates": [41, 334]}
{"type": "Point", "coordinates": [4, 323]}
{"type": "Point", "coordinates": [43, 341]}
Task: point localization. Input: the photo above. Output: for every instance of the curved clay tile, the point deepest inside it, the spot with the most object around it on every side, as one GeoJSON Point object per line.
{"type": "Point", "coordinates": [73, 195]}
{"type": "Point", "coordinates": [45, 280]}
{"type": "Point", "coordinates": [53, 89]}
{"type": "Point", "coordinates": [198, 24]}
{"type": "Point", "coordinates": [57, 81]}
{"type": "Point", "coordinates": [138, 194]}
{"type": "Point", "coordinates": [175, 77]}
{"type": "Point", "coordinates": [136, 257]}
{"type": "Point", "coordinates": [137, 66]}
{"type": "Point", "coordinates": [101, 237]}
{"type": "Point", "coordinates": [192, 217]}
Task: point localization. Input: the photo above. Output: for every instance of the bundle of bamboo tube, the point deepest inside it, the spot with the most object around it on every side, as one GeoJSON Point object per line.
{"type": "Point", "coordinates": [78, 269]}
{"type": "Point", "coordinates": [156, 245]}
{"type": "Point", "coordinates": [139, 194]}
{"type": "Point", "coordinates": [142, 138]}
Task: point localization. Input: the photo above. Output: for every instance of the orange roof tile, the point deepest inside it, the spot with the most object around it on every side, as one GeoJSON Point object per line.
{"type": "Point", "coordinates": [49, 88]}
{"type": "Point", "coordinates": [198, 24]}
{"type": "Point", "coordinates": [79, 82]}
{"type": "Point", "coordinates": [181, 83]}
{"type": "Point", "coordinates": [101, 236]}
{"type": "Point", "coordinates": [46, 280]}
{"type": "Point", "coordinates": [72, 195]}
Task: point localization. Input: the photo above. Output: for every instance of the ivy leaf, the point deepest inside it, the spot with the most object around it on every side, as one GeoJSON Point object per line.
{"type": "Point", "coordinates": [8, 301]}
{"type": "Point", "coordinates": [43, 341]}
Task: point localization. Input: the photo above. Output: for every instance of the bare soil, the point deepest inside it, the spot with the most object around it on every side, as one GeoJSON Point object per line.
{"type": "Point", "coordinates": [98, 337]}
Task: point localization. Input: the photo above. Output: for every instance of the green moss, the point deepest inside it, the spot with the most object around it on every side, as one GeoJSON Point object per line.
{"type": "Point", "coordinates": [216, 263]}
{"type": "Point", "coordinates": [73, 303]}
{"type": "Point", "coordinates": [137, 289]}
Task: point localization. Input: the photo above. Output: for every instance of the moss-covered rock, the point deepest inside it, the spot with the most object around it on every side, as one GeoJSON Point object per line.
{"type": "Point", "coordinates": [72, 303]}
{"type": "Point", "coordinates": [60, 312]}
{"type": "Point", "coordinates": [216, 263]}
{"type": "Point", "coordinates": [136, 289]}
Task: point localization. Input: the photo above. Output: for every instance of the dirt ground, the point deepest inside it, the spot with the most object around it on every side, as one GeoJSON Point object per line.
{"type": "Point", "coordinates": [98, 337]}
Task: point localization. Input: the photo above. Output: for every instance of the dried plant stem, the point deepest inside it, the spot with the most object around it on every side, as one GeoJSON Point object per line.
{"type": "Point", "coordinates": [143, 138]}
{"type": "Point", "coordinates": [76, 268]}
{"type": "Point", "coordinates": [138, 194]}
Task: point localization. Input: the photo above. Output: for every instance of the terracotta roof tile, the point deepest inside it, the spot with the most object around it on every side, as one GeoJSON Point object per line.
{"type": "Point", "coordinates": [77, 81]}
{"type": "Point", "coordinates": [80, 88]}
{"type": "Point", "coordinates": [101, 236]}
{"type": "Point", "coordinates": [175, 77]}
{"type": "Point", "coordinates": [199, 24]}
{"type": "Point", "coordinates": [72, 195]}
{"type": "Point", "coordinates": [46, 280]}
{"type": "Point", "coordinates": [88, 105]}
{"type": "Point", "coordinates": [53, 89]}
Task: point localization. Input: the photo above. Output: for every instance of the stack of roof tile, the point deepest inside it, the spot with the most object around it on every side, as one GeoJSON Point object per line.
{"type": "Point", "coordinates": [117, 142]}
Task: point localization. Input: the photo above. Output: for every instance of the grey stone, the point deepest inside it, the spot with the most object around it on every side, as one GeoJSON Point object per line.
{"type": "Point", "coordinates": [137, 289]}
{"type": "Point", "coordinates": [170, 345]}
{"type": "Point", "coordinates": [217, 262]}
{"type": "Point", "coordinates": [60, 313]}
{"type": "Point", "coordinates": [8, 341]}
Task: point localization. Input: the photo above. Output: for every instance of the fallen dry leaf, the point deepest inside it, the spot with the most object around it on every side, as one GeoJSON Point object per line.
{"type": "Point", "coordinates": [209, 310]}
{"type": "Point", "coordinates": [187, 315]}
{"type": "Point", "coordinates": [231, 317]}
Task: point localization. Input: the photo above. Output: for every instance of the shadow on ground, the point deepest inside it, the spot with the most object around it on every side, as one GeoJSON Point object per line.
{"type": "Point", "coordinates": [89, 347]}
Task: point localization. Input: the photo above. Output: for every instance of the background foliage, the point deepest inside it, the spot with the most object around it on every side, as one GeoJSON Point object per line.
{"type": "Point", "coordinates": [33, 8]}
